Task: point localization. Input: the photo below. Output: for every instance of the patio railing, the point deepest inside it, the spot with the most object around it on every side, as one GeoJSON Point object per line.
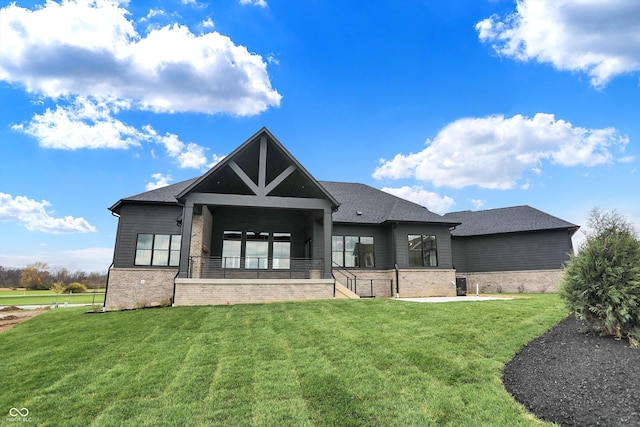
{"type": "Point", "coordinates": [254, 268]}
{"type": "Point", "coordinates": [364, 288]}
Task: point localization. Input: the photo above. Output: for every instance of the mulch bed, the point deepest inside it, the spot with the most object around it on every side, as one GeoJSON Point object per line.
{"type": "Point", "coordinates": [574, 378]}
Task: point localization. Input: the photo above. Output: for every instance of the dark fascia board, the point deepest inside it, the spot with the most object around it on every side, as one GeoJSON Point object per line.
{"type": "Point", "coordinates": [391, 222]}
{"type": "Point", "coordinates": [116, 207]}
{"type": "Point", "coordinates": [571, 230]}
{"type": "Point", "coordinates": [181, 196]}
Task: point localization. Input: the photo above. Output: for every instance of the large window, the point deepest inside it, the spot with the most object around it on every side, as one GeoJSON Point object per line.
{"type": "Point", "coordinates": [257, 248]}
{"type": "Point", "coordinates": [158, 249]}
{"type": "Point", "coordinates": [231, 249]}
{"type": "Point", "coordinates": [353, 251]}
{"type": "Point", "coordinates": [281, 251]}
{"type": "Point", "coordinates": [422, 251]}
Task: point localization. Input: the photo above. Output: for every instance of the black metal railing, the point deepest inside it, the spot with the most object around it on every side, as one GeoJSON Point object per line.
{"type": "Point", "coordinates": [363, 287]}
{"type": "Point", "coordinates": [347, 277]}
{"type": "Point", "coordinates": [370, 288]}
{"type": "Point", "coordinates": [254, 268]}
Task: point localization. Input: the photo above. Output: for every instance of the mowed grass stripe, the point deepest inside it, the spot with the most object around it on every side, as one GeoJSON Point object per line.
{"type": "Point", "coordinates": [373, 362]}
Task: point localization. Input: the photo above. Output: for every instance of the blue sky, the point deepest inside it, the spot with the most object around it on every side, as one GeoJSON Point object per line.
{"type": "Point", "coordinates": [472, 104]}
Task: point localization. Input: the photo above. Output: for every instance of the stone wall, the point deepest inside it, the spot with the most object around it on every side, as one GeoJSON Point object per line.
{"type": "Point", "coordinates": [530, 281]}
{"type": "Point", "coordinates": [243, 291]}
{"type": "Point", "coordinates": [427, 283]}
{"type": "Point", "coordinates": [413, 283]}
{"type": "Point", "coordinates": [195, 250]}
{"type": "Point", "coordinates": [139, 287]}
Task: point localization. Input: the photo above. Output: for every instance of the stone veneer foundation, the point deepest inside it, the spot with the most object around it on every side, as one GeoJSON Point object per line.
{"type": "Point", "coordinates": [243, 291]}
{"type": "Point", "coordinates": [530, 281]}
{"type": "Point", "coordinates": [413, 283]}
{"type": "Point", "coordinates": [139, 287]}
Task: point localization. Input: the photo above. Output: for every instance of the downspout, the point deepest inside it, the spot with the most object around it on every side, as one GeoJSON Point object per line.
{"type": "Point", "coordinates": [395, 257]}
{"type": "Point", "coordinates": [106, 288]}
{"type": "Point", "coordinates": [173, 297]}
{"type": "Point", "coordinates": [180, 222]}
{"type": "Point", "coordinates": [113, 261]}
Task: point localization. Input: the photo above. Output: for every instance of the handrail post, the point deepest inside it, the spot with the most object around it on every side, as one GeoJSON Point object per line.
{"type": "Point", "coordinates": [371, 282]}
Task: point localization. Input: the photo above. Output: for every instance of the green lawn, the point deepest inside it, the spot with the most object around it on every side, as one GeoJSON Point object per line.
{"type": "Point", "coordinates": [339, 363]}
{"type": "Point", "coordinates": [47, 298]}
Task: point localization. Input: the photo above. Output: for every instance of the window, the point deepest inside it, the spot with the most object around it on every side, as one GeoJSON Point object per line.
{"type": "Point", "coordinates": [258, 248]}
{"type": "Point", "coordinates": [231, 246]}
{"type": "Point", "coordinates": [281, 251]}
{"type": "Point", "coordinates": [352, 251]}
{"type": "Point", "coordinates": [422, 251]}
{"type": "Point", "coordinates": [158, 249]}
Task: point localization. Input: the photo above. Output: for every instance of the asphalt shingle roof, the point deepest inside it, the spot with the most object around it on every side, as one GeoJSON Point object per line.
{"type": "Point", "coordinates": [505, 220]}
{"type": "Point", "coordinates": [375, 206]}
{"type": "Point", "coordinates": [360, 203]}
{"type": "Point", "coordinates": [160, 195]}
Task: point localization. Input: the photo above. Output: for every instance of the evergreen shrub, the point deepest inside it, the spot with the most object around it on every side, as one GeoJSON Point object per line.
{"type": "Point", "coordinates": [601, 283]}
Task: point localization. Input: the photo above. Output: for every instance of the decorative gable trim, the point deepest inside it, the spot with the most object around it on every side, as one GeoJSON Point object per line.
{"type": "Point", "coordinates": [265, 187]}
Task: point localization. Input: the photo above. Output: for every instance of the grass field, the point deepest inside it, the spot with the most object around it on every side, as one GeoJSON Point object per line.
{"type": "Point", "coordinates": [47, 298]}
{"type": "Point", "coordinates": [340, 363]}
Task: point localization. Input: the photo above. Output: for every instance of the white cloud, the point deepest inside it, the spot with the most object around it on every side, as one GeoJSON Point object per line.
{"type": "Point", "coordinates": [33, 215]}
{"type": "Point", "coordinates": [416, 194]}
{"type": "Point", "coordinates": [207, 23]}
{"type": "Point", "coordinates": [84, 124]}
{"type": "Point", "coordinates": [188, 155]}
{"type": "Point", "coordinates": [89, 124]}
{"type": "Point", "coordinates": [260, 3]}
{"type": "Point", "coordinates": [598, 37]}
{"type": "Point", "coordinates": [477, 203]}
{"type": "Point", "coordinates": [95, 51]}
{"type": "Point", "coordinates": [493, 152]}
{"type": "Point", "coordinates": [160, 181]}
{"type": "Point", "coordinates": [273, 59]}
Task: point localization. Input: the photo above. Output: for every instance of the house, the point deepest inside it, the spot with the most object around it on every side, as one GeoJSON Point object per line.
{"type": "Point", "coordinates": [514, 249]}
{"type": "Point", "coordinates": [257, 227]}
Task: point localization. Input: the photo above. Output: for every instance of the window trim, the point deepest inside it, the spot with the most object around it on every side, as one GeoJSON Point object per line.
{"type": "Point", "coordinates": [360, 257]}
{"type": "Point", "coordinates": [251, 262]}
{"type": "Point", "coordinates": [170, 253]}
{"type": "Point", "coordinates": [433, 239]}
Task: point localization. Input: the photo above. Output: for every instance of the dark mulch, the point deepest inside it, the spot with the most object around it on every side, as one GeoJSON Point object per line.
{"type": "Point", "coordinates": [574, 378]}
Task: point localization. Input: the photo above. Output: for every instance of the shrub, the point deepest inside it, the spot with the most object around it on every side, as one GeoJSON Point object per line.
{"type": "Point", "coordinates": [76, 288]}
{"type": "Point", "coordinates": [601, 284]}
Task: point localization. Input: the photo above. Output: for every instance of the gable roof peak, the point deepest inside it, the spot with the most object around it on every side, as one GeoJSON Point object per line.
{"type": "Point", "coordinates": [248, 170]}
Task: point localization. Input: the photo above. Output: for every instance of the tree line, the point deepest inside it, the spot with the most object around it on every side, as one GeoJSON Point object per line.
{"type": "Point", "coordinates": [40, 275]}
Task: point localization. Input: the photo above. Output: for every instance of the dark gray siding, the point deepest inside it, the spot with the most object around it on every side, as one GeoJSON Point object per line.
{"type": "Point", "coordinates": [381, 240]}
{"type": "Point", "coordinates": [544, 250]}
{"type": "Point", "coordinates": [142, 218]}
{"type": "Point", "coordinates": [459, 253]}
{"type": "Point", "coordinates": [443, 241]}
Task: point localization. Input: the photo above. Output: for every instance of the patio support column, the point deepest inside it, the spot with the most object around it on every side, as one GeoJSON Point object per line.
{"type": "Point", "coordinates": [187, 220]}
{"type": "Point", "coordinates": [327, 226]}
